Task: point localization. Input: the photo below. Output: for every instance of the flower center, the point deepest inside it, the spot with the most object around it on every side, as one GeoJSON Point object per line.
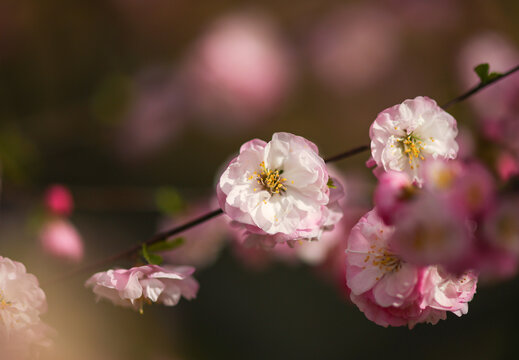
{"type": "Point", "coordinates": [413, 148]}
{"type": "Point", "coordinates": [381, 258]}
{"type": "Point", "coordinates": [271, 180]}
{"type": "Point", "coordinates": [4, 304]}
{"type": "Point", "coordinates": [385, 261]}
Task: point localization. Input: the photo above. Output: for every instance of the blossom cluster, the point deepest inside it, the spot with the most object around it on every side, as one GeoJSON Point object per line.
{"type": "Point", "coordinates": [392, 291]}
{"type": "Point", "coordinates": [438, 223]}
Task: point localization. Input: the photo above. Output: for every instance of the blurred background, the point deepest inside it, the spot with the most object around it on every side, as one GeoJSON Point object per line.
{"type": "Point", "coordinates": [136, 105]}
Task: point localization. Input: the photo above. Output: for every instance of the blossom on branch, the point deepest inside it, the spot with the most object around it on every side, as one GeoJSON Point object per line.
{"type": "Point", "coordinates": [280, 189]}
{"type": "Point", "coordinates": [405, 135]}
{"type": "Point", "coordinates": [145, 284]}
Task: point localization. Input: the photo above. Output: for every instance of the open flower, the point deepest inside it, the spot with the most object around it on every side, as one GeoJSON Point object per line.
{"type": "Point", "coordinates": [145, 284]}
{"type": "Point", "coordinates": [406, 134]}
{"type": "Point", "coordinates": [22, 301]}
{"type": "Point", "coordinates": [278, 188]}
{"type": "Point", "coordinates": [391, 291]}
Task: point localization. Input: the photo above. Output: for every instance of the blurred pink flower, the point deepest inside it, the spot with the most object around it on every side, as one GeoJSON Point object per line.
{"type": "Point", "coordinates": [393, 292]}
{"type": "Point", "coordinates": [145, 284]}
{"type": "Point", "coordinates": [393, 190]}
{"type": "Point", "coordinates": [354, 46]}
{"type": "Point", "coordinates": [279, 189]}
{"type": "Point", "coordinates": [155, 116]}
{"type": "Point", "coordinates": [239, 71]}
{"type": "Point", "coordinates": [60, 238]}
{"type": "Point", "coordinates": [507, 166]}
{"type": "Point", "coordinates": [58, 200]}
{"type": "Point", "coordinates": [405, 135]}
{"type": "Point", "coordinates": [467, 186]}
{"type": "Point", "coordinates": [22, 302]}
{"type": "Point", "coordinates": [431, 231]}
{"type": "Point", "coordinates": [203, 243]}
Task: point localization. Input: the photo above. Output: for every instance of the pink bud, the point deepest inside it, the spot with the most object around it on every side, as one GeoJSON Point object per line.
{"type": "Point", "coordinates": [60, 238]}
{"type": "Point", "coordinates": [507, 166]}
{"type": "Point", "coordinates": [58, 200]}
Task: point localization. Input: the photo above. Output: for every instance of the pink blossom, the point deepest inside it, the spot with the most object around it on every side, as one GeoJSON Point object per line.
{"type": "Point", "coordinates": [60, 238]}
{"type": "Point", "coordinates": [394, 189]}
{"type": "Point", "coordinates": [405, 135]}
{"type": "Point", "coordinates": [239, 70]}
{"type": "Point", "coordinates": [22, 302]}
{"type": "Point", "coordinates": [444, 291]}
{"type": "Point", "coordinates": [145, 284]}
{"type": "Point", "coordinates": [58, 200]}
{"type": "Point", "coordinates": [279, 189]}
{"type": "Point", "coordinates": [502, 226]}
{"type": "Point", "coordinates": [354, 46]}
{"type": "Point", "coordinates": [391, 291]}
{"type": "Point", "coordinates": [260, 250]}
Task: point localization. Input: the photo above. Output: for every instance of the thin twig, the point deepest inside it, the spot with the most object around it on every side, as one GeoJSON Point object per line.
{"type": "Point", "coordinates": [346, 154]}
{"type": "Point", "coordinates": [155, 239]}
{"type": "Point", "coordinates": [479, 87]}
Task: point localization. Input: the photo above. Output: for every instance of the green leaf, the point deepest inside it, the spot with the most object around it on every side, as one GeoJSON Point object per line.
{"type": "Point", "coordinates": [152, 259]}
{"type": "Point", "coordinates": [168, 200]}
{"type": "Point", "coordinates": [482, 70]}
{"type": "Point", "coordinates": [166, 245]}
{"type": "Point", "coordinates": [331, 184]}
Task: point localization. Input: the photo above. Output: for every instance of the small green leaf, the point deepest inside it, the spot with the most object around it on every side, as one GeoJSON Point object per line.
{"type": "Point", "coordinates": [482, 70]}
{"type": "Point", "coordinates": [166, 245]}
{"type": "Point", "coordinates": [152, 259]}
{"type": "Point", "coordinates": [331, 184]}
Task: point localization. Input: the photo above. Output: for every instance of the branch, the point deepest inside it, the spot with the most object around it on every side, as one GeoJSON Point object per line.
{"type": "Point", "coordinates": [447, 105]}
{"type": "Point", "coordinates": [176, 230]}
{"type": "Point", "coordinates": [479, 87]}
{"type": "Point", "coordinates": [155, 239]}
